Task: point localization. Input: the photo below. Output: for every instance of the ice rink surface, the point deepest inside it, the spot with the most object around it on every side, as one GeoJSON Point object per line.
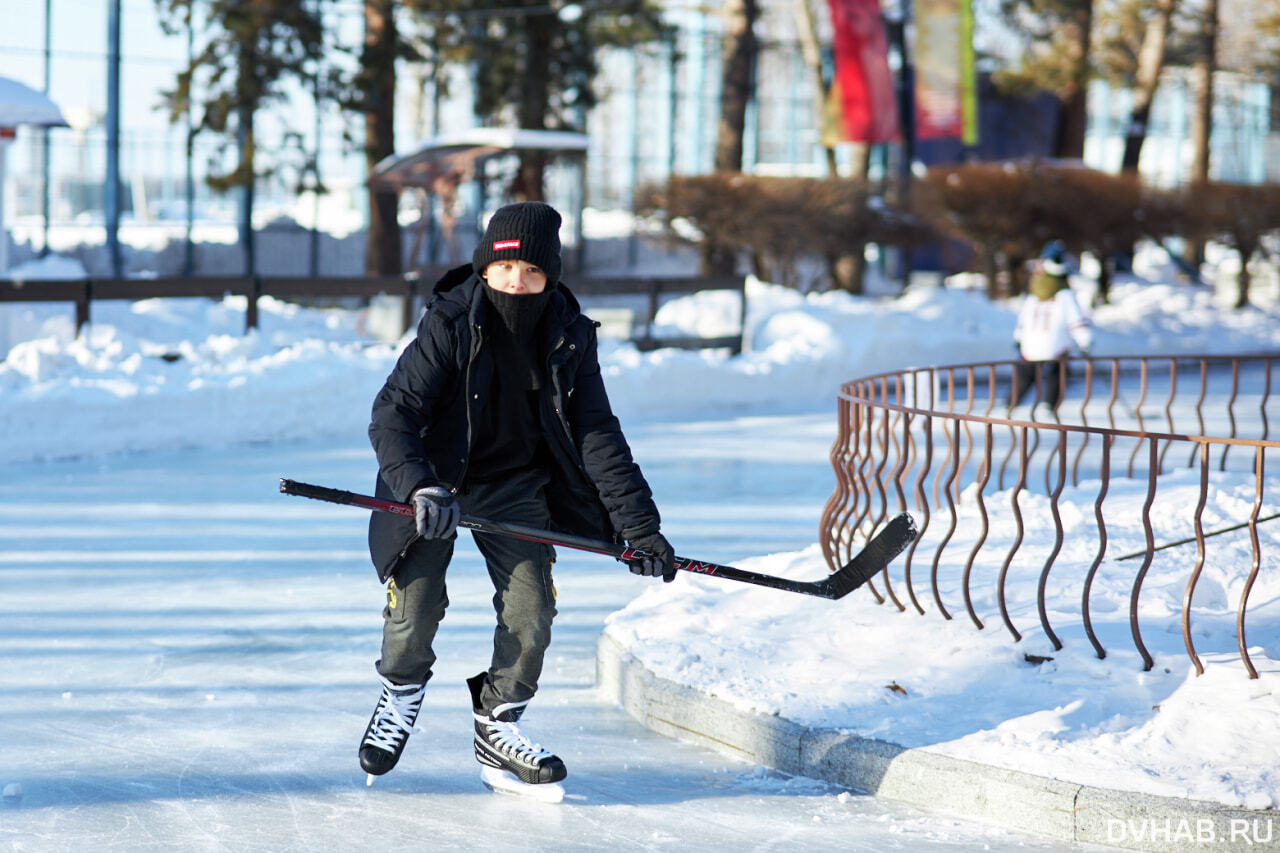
{"type": "Point", "coordinates": [186, 663]}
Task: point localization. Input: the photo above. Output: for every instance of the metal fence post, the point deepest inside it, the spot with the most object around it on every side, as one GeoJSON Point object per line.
{"type": "Point", "coordinates": [252, 292]}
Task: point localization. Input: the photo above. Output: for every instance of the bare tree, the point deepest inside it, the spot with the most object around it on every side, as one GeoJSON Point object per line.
{"type": "Point", "coordinates": [534, 63]}
{"type": "Point", "coordinates": [1205, 46]}
{"type": "Point", "coordinates": [738, 63]}
{"type": "Point", "coordinates": [846, 263]}
{"type": "Point", "coordinates": [811, 50]}
{"type": "Point", "coordinates": [1150, 63]}
{"type": "Point", "coordinates": [377, 102]}
{"type": "Point", "coordinates": [1205, 63]}
{"type": "Point", "coordinates": [740, 48]}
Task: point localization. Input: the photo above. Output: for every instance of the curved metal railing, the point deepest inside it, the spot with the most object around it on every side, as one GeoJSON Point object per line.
{"type": "Point", "coordinates": [939, 440]}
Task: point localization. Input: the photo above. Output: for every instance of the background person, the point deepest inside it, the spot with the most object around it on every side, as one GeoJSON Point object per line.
{"type": "Point", "coordinates": [1049, 321]}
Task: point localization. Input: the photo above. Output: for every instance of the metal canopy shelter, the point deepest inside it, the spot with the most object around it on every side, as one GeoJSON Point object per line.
{"type": "Point", "coordinates": [439, 164]}
{"type": "Point", "coordinates": [19, 104]}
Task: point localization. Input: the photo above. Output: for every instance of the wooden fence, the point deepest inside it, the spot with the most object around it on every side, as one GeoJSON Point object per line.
{"type": "Point", "coordinates": [412, 288]}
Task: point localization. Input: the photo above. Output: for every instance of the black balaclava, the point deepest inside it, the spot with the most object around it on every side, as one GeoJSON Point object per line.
{"type": "Point", "coordinates": [513, 324]}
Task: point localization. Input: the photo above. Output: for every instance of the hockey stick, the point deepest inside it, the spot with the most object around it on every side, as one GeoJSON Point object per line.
{"type": "Point", "coordinates": [886, 545]}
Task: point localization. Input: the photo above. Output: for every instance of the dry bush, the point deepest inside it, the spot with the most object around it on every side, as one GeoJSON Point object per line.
{"type": "Point", "coordinates": [1008, 210]}
{"type": "Point", "coordinates": [1238, 215]}
{"type": "Point", "coordinates": [1095, 212]}
{"type": "Point", "coordinates": [987, 205]}
{"type": "Point", "coordinates": [776, 223]}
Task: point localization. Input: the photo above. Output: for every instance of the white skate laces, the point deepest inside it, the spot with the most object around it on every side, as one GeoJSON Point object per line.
{"type": "Point", "coordinates": [394, 717]}
{"type": "Point", "coordinates": [508, 738]}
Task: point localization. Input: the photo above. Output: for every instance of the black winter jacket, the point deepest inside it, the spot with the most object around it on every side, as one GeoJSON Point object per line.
{"type": "Point", "coordinates": [424, 415]}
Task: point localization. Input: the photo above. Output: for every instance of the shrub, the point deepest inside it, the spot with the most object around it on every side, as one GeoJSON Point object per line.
{"type": "Point", "coordinates": [988, 206]}
{"type": "Point", "coordinates": [1237, 215]}
{"type": "Point", "coordinates": [776, 223]}
{"type": "Point", "coordinates": [1006, 211]}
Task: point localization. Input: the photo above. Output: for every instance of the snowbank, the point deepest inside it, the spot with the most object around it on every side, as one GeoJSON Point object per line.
{"type": "Point", "coordinates": [182, 373]}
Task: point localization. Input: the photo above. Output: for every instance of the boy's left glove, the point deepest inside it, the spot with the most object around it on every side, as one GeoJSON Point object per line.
{"type": "Point", "coordinates": [660, 559]}
{"type": "Point", "coordinates": [435, 512]}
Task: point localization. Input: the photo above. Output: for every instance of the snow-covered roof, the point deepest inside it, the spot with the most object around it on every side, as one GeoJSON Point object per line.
{"type": "Point", "coordinates": [20, 104]}
{"type": "Point", "coordinates": [458, 150]}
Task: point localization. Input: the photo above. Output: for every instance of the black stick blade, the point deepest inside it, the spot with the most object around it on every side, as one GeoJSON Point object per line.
{"type": "Point", "coordinates": [877, 554]}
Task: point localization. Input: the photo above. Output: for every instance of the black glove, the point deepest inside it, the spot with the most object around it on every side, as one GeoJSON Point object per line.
{"type": "Point", "coordinates": [659, 558]}
{"type": "Point", "coordinates": [435, 512]}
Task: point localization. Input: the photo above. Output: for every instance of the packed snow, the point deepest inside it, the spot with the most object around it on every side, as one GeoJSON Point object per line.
{"type": "Point", "coordinates": [174, 374]}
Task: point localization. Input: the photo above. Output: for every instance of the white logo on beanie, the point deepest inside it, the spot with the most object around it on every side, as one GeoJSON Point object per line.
{"type": "Point", "coordinates": [499, 245]}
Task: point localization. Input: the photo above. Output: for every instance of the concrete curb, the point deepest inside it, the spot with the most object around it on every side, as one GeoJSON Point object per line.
{"type": "Point", "coordinates": [1011, 798]}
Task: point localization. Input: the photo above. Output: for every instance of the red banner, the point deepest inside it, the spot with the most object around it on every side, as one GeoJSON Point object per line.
{"type": "Point", "coordinates": [862, 72]}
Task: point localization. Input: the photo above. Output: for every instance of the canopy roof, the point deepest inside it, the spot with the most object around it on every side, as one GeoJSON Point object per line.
{"type": "Point", "coordinates": [20, 104]}
{"type": "Point", "coordinates": [458, 152]}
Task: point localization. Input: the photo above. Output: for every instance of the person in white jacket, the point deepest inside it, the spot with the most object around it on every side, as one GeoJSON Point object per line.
{"type": "Point", "coordinates": [1049, 322]}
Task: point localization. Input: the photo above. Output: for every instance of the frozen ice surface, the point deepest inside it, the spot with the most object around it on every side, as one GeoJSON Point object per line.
{"type": "Point", "coordinates": [186, 663]}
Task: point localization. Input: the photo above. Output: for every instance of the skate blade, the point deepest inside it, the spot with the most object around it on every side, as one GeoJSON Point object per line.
{"type": "Point", "coordinates": [368, 781]}
{"type": "Point", "coordinates": [502, 782]}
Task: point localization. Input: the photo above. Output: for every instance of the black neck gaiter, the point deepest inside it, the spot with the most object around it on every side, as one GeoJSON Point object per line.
{"type": "Point", "coordinates": [513, 330]}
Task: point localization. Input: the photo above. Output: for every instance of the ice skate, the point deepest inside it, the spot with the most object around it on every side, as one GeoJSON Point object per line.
{"type": "Point", "coordinates": [510, 762]}
{"type": "Point", "coordinates": [389, 727]}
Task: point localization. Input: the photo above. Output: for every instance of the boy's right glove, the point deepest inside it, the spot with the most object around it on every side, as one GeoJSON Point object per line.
{"type": "Point", "coordinates": [661, 558]}
{"type": "Point", "coordinates": [436, 512]}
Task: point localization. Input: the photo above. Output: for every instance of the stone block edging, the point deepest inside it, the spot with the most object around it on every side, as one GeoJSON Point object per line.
{"type": "Point", "coordinates": [1011, 798]}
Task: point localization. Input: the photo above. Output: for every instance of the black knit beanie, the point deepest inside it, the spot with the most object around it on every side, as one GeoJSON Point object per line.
{"type": "Point", "coordinates": [528, 231]}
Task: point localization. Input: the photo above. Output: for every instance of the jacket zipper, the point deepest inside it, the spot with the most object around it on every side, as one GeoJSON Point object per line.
{"type": "Point", "coordinates": [477, 339]}
{"type": "Point", "coordinates": [561, 418]}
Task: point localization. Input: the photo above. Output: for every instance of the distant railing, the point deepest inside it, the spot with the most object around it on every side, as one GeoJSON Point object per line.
{"type": "Point", "coordinates": [943, 433]}
{"type": "Point", "coordinates": [411, 288]}
{"type": "Point", "coordinates": [84, 292]}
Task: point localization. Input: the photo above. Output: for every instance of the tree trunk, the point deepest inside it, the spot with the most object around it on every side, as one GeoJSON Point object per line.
{"type": "Point", "coordinates": [991, 264]}
{"type": "Point", "coordinates": [531, 111]}
{"type": "Point", "coordinates": [807, 31]}
{"type": "Point", "coordinates": [1105, 268]}
{"type": "Point", "coordinates": [1206, 62]}
{"type": "Point", "coordinates": [382, 241]}
{"type": "Point", "coordinates": [1072, 114]}
{"type": "Point", "coordinates": [738, 71]}
{"type": "Point", "coordinates": [850, 270]}
{"type": "Point", "coordinates": [1150, 64]}
{"type": "Point", "coordinates": [248, 173]}
{"type": "Point", "coordinates": [1246, 249]}
{"type": "Point", "coordinates": [844, 271]}
{"type": "Point", "coordinates": [246, 167]}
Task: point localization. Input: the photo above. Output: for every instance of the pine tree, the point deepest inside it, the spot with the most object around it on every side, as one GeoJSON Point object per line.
{"type": "Point", "coordinates": [1057, 60]}
{"type": "Point", "coordinates": [246, 53]}
{"type": "Point", "coordinates": [533, 64]}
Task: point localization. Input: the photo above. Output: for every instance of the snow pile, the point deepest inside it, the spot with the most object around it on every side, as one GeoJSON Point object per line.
{"type": "Point", "coordinates": [923, 681]}
{"type": "Point", "coordinates": [182, 373]}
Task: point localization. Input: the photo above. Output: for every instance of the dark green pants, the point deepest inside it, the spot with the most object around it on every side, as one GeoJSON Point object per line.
{"type": "Point", "coordinates": [523, 598]}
